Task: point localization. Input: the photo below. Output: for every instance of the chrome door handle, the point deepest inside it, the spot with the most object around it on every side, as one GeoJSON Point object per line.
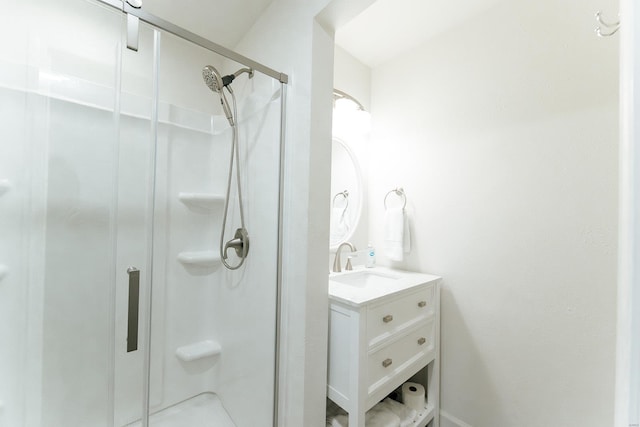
{"type": "Point", "coordinates": [388, 318]}
{"type": "Point", "coordinates": [134, 308]}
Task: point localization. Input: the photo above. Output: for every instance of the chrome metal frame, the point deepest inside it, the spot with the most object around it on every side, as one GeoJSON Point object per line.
{"type": "Point", "coordinates": [167, 26]}
{"type": "Point", "coordinates": [279, 293]}
{"type": "Point", "coordinates": [151, 208]}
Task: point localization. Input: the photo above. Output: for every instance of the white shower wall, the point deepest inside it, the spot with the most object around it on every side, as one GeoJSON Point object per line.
{"type": "Point", "coordinates": [78, 216]}
{"type": "Point", "coordinates": [32, 146]}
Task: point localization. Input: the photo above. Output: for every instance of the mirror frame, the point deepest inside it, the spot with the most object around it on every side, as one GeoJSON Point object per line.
{"type": "Point", "coordinates": [360, 190]}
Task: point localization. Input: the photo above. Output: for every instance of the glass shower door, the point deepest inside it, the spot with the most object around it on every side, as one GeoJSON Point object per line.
{"type": "Point", "coordinates": [59, 209]}
{"type": "Point", "coordinates": [213, 330]}
{"type": "Point", "coordinates": [113, 175]}
{"type": "Point", "coordinates": [134, 235]}
{"type": "Point", "coordinates": [207, 351]}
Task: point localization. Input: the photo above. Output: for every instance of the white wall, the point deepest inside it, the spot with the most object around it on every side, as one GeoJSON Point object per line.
{"type": "Point", "coordinates": [287, 38]}
{"type": "Point", "coordinates": [503, 132]}
{"type": "Point", "coordinates": [354, 78]}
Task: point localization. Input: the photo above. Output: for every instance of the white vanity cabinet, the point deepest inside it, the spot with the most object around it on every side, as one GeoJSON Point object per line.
{"type": "Point", "coordinates": [380, 336]}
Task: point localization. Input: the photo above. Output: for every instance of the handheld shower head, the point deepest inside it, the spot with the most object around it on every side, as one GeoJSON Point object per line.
{"type": "Point", "coordinates": [214, 81]}
{"type": "Point", "coordinates": [240, 242]}
{"type": "Point", "coordinates": [212, 78]}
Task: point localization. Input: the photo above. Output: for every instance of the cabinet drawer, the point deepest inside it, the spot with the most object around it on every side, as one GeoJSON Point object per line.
{"type": "Point", "coordinates": [392, 359]}
{"type": "Point", "coordinates": [391, 316]}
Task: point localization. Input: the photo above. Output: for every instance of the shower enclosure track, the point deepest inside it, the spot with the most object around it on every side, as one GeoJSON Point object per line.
{"type": "Point", "coordinates": [194, 38]}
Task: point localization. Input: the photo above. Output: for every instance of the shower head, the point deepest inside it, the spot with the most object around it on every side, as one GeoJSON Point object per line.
{"type": "Point", "coordinates": [214, 82]}
{"type": "Point", "coordinates": [212, 78]}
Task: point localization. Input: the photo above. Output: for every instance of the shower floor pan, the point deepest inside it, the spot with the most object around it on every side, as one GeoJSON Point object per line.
{"type": "Point", "coordinates": [203, 410]}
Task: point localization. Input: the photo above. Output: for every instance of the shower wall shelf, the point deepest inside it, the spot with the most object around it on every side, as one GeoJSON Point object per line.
{"type": "Point", "coordinates": [201, 200]}
{"type": "Point", "coordinates": [202, 258]}
{"type": "Point", "coordinates": [198, 350]}
{"type": "Point", "coordinates": [5, 185]}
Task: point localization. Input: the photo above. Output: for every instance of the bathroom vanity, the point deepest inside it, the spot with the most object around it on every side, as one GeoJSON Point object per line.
{"type": "Point", "coordinates": [383, 331]}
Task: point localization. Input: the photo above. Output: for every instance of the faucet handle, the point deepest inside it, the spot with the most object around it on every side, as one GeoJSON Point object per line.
{"type": "Point", "coordinates": [336, 261]}
{"type": "Point", "coordinates": [349, 267]}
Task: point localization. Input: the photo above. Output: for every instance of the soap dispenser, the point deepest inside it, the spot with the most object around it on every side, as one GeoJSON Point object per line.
{"type": "Point", "coordinates": [371, 256]}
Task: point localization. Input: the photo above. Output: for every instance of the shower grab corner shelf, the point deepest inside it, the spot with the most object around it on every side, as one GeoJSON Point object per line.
{"type": "Point", "coordinates": [198, 350]}
{"type": "Point", "coordinates": [202, 258]}
{"type": "Point", "coordinates": [201, 200]}
{"type": "Point", "coordinates": [5, 185]}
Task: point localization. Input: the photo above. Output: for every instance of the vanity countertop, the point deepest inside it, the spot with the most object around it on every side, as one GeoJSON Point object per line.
{"type": "Point", "coordinates": [387, 281]}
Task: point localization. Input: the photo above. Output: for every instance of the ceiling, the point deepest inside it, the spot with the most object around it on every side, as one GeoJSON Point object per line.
{"type": "Point", "coordinates": [390, 27]}
{"type": "Point", "coordinates": [382, 31]}
{"type": "Point", "coordinates": [222, 21]}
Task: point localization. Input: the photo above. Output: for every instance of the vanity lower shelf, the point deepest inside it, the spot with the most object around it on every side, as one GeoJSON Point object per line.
{"type": "Point", "coordinates": [425, 416]}
{"type": "Point", "coordinates": [421, 419]}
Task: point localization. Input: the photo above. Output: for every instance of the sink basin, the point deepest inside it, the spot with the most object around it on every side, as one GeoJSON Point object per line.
{"type": "Point", "coordinates": [365, 278]}
{"type": "Point", "coordinates": [366, 285]}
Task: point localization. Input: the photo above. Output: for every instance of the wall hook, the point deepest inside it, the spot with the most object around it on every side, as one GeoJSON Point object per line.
{"type": "Point", "coordinates": [612, 27]}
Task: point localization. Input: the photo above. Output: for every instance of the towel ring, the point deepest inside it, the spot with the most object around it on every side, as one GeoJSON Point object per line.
{"type": "Point", "coordinates": [344, 194]}
{"type": "Point", "coordinates": [400, 193]}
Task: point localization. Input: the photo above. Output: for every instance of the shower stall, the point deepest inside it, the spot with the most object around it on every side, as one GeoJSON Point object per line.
{"type": "Point", "coordinates": [115, 306]}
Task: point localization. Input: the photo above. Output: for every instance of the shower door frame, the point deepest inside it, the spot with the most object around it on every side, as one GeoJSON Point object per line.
{"type": "Point", "coordinates": [627, 388]}
{"type": "Point", "coordinates": [134, 15]}
{"type": "Point", "coordinates": [167, 26]}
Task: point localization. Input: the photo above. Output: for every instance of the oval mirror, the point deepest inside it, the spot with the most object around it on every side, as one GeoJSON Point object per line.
{"type": "Point", "coordinates": [346, 193]}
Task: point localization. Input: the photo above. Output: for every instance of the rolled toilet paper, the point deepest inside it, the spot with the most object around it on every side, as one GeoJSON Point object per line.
{"type": "Point", "coordinates": [413, 395]}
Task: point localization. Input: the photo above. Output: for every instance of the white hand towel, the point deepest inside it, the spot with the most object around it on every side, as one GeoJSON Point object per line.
{"type": "Point", "coordinates": [380, 416]}
{"type": "Point", "coordinates": [407, 415]}
{"type": "Point", "coordinates": [339, 225]}
{"type": "Point", "coordinates": [406, 236]}
{"type": "Point", "coordinates": [394, 223]}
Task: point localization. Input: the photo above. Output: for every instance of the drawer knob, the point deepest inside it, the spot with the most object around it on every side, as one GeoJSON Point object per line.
{"type": "Point", "coordinates": [387, 362]}
{"type": "Point", "coordinates": [388, 318]}
{"type": "Point", "coordinates": [422, 341]}
{"type": "Point", "coordinates": [422, 304]}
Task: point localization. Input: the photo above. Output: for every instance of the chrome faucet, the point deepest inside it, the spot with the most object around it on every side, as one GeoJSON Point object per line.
{"type": "Point", "coordinates": [337, 268]}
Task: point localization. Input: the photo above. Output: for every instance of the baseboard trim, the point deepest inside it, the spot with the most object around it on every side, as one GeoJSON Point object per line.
{"type": "Point", "coordinates": [458, 422]}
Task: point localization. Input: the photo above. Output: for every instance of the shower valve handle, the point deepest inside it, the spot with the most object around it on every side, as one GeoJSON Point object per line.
{"type": "Point", "coordinates": [240, 243]}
